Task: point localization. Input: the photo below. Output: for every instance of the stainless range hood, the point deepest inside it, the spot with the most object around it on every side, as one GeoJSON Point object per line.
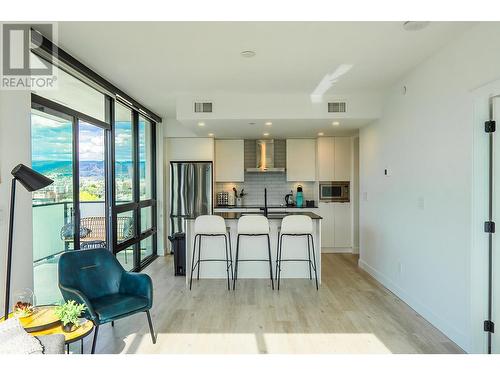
{"type": "Point", "coordinates": [264, 149]}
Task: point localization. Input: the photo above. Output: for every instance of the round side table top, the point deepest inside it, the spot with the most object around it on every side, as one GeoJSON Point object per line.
{"type": "Point", "coordinates": [43, 318]}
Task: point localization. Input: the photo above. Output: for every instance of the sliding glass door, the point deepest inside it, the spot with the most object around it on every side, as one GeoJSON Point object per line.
{"type": "Point", "coordinates": [53, 206]}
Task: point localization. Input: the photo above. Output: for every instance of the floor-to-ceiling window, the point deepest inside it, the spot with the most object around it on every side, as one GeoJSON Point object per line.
{"type": "Point", "coordinates": [135, 194]}
{"type": "Point", "coordinates": [101, 155]}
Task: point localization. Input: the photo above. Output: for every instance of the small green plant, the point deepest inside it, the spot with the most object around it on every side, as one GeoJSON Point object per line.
{"type": "Point", "coordinates": [69, 312]}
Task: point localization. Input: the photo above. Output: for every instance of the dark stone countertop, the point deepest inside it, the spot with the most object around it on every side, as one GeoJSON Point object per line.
{"type": "Point", "coordinates": [262, 206]}
{"type": "Point", "coordinates": [271, 215]}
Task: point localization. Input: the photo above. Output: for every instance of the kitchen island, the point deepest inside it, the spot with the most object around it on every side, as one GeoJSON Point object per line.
{"type": "Point", "coordinates": [254, 248]}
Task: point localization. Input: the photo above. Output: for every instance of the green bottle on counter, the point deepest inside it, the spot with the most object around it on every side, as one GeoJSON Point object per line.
{"type": "Point", "coordinates": [299, 200]}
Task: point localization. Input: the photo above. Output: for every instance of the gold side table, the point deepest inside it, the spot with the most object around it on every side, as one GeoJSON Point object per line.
{"type": "Point", "coordinates": [45, 322]}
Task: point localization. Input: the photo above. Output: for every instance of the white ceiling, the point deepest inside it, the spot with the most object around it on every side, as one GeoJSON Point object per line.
{"type": "Point", "coordinates": [280, 128]}
{"type": "Point", "coordinates": [155, 62]}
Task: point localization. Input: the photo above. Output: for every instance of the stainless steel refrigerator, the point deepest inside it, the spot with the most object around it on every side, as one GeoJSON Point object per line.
{"type": "Point", "coordinates": [190, 192]}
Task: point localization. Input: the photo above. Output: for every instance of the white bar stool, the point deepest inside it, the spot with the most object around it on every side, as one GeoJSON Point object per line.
{"type": "Point", "coordinates": [211, 226]}
{"type": "Point", "coordinates": [296, 225]}
{"type": "Point", "coordinates": [253, 225]}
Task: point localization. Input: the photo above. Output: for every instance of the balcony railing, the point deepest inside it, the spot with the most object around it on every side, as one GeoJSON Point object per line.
{"type": "Point", "coordinates": [48, 221]}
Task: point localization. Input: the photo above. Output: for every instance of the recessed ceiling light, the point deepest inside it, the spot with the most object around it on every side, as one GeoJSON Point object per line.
{"type": "Point", "coordinates": [248, 53]}
{"type": "Point", "coordinates": [251, 123]}
{"type": "Point", "coordinates": [415, 25]}
{"type": "Point", "coordinates": [266, 134]}
{"type": "Point", "coordinates": [335, 123]}
{"type": "Point", "coordinates": [210, 134]}
{"type": "Point", "coordinates": [321, 133]}
{"type": "Point", "coordinates": [269, 123]}
{"type": "Point", "coordinates": [201, 123]}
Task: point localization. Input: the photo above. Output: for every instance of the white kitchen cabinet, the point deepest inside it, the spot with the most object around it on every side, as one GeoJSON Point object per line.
{"type": "Point", "coordinates": [336, 232]}
{"type": "Point", "coordinates": [326, 159]}
{"type": "Point", "coordinates": [229, 160]}
{"type": "Point", "coordinates": [342, 224]}
{"type": "Point", "coordinates": [301, 160]}
{"type": "Point", "coordinates": [327, 224]}
{"type": "Point", "coordinates": [342, 159]}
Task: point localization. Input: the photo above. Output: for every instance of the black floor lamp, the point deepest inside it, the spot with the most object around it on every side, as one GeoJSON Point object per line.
{"type": "Point", "coordinates": [32, 181]}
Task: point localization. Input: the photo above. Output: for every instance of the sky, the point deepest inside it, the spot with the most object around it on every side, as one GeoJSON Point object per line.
{"type": "Point", "coordinates": [52, 140]}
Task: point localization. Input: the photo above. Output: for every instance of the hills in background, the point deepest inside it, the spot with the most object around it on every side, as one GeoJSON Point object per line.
{"type": "Point", "coordinates": [88, 168]}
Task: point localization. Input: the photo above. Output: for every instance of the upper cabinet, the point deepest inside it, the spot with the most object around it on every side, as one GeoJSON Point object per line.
{"type": "Point", "coordinates": [229, 160]}
{"type": "Point", "coordinates": [301, 160]}
{"type": "Point", "coordinates": [342, 159]}
{"type": "Point", "coordinates": [326, 158]}
{"type": "Point", "coordinates": [334, 159]}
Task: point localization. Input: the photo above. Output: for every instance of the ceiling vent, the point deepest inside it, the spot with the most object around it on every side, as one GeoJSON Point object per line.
{"type": "Point", "coordinates": [336, 107]}
{"type": "Point", "coordinates": [203, 107]}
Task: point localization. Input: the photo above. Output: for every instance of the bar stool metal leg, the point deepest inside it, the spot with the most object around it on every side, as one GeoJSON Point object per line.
{"type": "Point", "coordinates": [236, 260]}
{"type": "Point", "coordinates": [199, 256]}
{"type": "Point", "coordinates": [279, 269]}
{"type": "Point", "coordinates": [192, 262]}
{"type": "Point", "coordinates": [227, 264]}
{"type": "Point", "coordinates": [277, 255]}
{"type": "Point", "coordinates": [270, 261]}
{"type": "Point", "coordinates": [309, 254]}
{"type": "Point", "coordinates": [230, 255]}
{"type": "Point", "coordinates": [314, 258]}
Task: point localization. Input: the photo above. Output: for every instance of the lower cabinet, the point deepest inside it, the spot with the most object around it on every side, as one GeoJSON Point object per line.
{"type": "Point", "coordinates": [336, 226]}
{"type": "Point", "coordinates": [342, 218]}
{"type": "Point", "coordinates": [327, 224]}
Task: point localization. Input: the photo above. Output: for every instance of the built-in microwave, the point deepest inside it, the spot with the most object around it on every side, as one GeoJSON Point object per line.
{"type": "Point", "coordinates": [334, 191]}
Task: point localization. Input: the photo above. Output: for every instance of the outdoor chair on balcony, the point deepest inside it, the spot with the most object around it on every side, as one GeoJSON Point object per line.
{"type": "Point", "coordinates": [93, 232]}
{"type": "Point", "coordinates": [95, 278]}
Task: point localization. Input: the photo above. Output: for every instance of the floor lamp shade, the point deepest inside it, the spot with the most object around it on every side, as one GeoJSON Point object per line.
{"type": "Point", "coordinates": [32, 181]}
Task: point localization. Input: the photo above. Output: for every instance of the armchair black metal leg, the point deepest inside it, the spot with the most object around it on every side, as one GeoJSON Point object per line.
{"type": "Point", "coordinates": [314, 259]}
{"type": "Point", "coordinates": [112, 323]}
{"type": "Point", "coordinates": [94, 341]}
{"type": "Point", "coordinates": [227, 264]}
{"type": "Point", "coordinates": [151, 329]}
{"type": "Point", "coordinates": [270, 261]}
{"type": "Point", "coordinates": [192, 262]}
{"type": "Point", "coordinates": [309, 253]}
{"type": "Point", "coordinates": [199, 256]}
{"type": "Point", "coordinates": [236, 260]}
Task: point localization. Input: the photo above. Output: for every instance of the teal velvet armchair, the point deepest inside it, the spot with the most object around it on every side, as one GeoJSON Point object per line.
{"type": "Point", "coordinates": [96, 278]}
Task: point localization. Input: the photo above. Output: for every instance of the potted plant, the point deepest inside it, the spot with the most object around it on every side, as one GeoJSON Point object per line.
{"type": "Point", "coordinates": [69, 314]}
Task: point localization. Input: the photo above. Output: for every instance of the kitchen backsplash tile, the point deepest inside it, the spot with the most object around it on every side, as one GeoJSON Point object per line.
{"type": "Point", "coordinates": [276, 184]}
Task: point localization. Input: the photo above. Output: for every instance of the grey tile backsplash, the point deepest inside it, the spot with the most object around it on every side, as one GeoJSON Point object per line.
{"type": "Point", "coordinates": [276, 183]}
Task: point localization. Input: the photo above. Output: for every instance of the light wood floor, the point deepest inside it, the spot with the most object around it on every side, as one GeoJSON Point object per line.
{"type": "Point", "coordinates": [351, 313]}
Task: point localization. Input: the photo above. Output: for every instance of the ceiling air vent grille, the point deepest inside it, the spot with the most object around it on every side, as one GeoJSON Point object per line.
{"type": "Point", "coordinates": [203, 107]}
{"type": "Point", "coordinates": [337, 107]}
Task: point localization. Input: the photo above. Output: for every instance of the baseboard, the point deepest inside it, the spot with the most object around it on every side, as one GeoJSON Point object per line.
{"type": "Point", "coordinates": [355, 250]}
{"type": "Point", "coordinates": [331, 250]}
{"type": "Point", "coordinates": [448, 330]}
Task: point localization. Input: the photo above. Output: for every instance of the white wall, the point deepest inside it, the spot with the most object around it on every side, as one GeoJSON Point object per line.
{"type": "Point", "coordinates": [355, 194]}
{"type": "Point", "coordinates": [363, 105]}
{"type": "Point", "coordinates": [416, 225]}
{"type": "Point", "coordinates": [15, 148]}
